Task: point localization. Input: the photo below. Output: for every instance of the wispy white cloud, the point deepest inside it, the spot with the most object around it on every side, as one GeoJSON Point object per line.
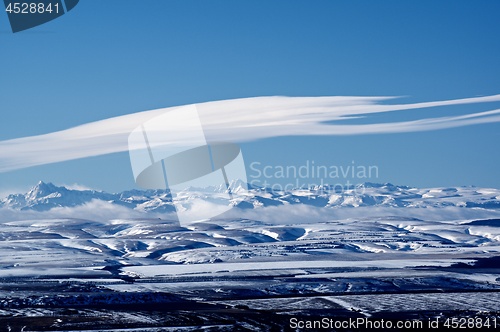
{"type": "Point", "coordinates": [77, 186]}
{"type": "Point", "coordinates": [94, 210]}
{"type": "Point", "coordinates": [237, 120]}
{"type": "Point", "coordinates": [303, 214]}
{"type": "Point", "coordinates": [101, 211]}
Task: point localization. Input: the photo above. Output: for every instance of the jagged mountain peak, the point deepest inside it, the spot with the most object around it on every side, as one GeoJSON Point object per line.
{"type": "Point", "coordinates": [43, 185]}
{"type": "Point", "coordinates": [42, 189]}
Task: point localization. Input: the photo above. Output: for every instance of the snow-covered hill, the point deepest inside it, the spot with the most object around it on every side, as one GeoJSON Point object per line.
{"type": "Point", "coordinates": [45, 196]}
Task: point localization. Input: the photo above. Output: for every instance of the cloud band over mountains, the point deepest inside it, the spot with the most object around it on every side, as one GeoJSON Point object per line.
{"type": "Point", "coordinates": [239, 120]}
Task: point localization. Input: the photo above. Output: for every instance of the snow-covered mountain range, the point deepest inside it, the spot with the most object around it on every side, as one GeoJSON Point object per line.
{"type": "Point", "coordinates": [45, 196]}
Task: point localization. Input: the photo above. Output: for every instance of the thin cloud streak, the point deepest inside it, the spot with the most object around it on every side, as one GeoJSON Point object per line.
{"type": "Point", "coordinates": [238, 120]}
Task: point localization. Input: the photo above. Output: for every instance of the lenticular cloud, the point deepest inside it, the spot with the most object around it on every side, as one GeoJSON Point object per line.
{"type": "Point", "coordinates": [238, 120]}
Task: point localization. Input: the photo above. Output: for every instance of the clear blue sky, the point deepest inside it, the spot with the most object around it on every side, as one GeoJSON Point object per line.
{"type": "Point", "coordinates": [115, 57]}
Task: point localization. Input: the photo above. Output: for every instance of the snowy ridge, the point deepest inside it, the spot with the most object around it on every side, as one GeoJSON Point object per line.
{"type": "Point", "coordinates": [46, 196]}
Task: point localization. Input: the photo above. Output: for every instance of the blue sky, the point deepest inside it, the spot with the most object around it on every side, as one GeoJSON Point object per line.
{"type": "Point", "coordinates": [117, 57]}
